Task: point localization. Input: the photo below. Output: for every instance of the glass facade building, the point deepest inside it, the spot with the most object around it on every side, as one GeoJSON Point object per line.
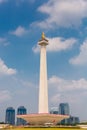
{"type": "Point", "coordinates": [21, 111]}
{"type": "Point", "coordinates": [73, 120]}
{"type": "Point", "coordinates": [10, 116]}
{"type": "Point", "coordinates": [64, 109]}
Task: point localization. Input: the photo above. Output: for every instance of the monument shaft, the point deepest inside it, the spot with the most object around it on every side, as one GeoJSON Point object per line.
{"type": "Point", "coordinates": [43, 87]}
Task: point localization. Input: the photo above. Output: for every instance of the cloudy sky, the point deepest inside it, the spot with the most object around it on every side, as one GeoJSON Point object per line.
{"type": "Point", "coordinates": [65, 25]}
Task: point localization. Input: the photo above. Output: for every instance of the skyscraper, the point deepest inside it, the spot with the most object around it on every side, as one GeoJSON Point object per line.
{"type": "Point", "coordinates": [21, 111]}
{"type": "Point", "coordinates": [10, 116]}
{"type": "Point", "coordinates": [64, 109]}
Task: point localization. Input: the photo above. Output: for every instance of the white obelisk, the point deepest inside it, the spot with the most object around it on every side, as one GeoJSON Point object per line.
{"type": "Point", "coordinates": [43, 87]}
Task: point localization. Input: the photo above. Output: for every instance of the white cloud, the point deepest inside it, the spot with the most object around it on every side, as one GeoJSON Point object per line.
{"type": "Point", "coordinates": [67, 85]}
{"type": "Point", "coordinates": [80, 59]}
{"type": "Point", "coordinates": [3, 41]}
{"type": "Point", "coordinates": [72, 91]}
{"type": "Point", "coordinates": [63, 13]}
{"type": "Point", "coordinates": [57, 44]}
{"type": "Point", "coordinates": [4, 70]}
{"type": "Point", "coordinates": [72, 98]}
{"type": "Point", "coordinates": [20, 31]}
{"type": "Point", "coordinates": [4, 96]}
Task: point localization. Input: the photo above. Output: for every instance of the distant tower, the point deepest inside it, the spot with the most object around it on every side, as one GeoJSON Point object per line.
{"type": "Point", "coordinates": [21, 111]}
{"type": "Point", "coordinates": [64, 109]}
{"type": "Point", "coordinates": [10, 116]}
{"type": "Point", "coordinates": [43, 88]}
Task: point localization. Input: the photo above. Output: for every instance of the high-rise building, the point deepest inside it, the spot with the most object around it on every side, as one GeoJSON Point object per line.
{"type": "Point", "coordinates": [21, 111]}
{"type": "Point", "coordinates": [10, 116]}
{"type": "Point", "coordinates": [64, 109]}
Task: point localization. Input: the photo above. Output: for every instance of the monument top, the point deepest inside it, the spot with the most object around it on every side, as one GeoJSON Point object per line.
{"type": "Point", "coordinates": [43, 40]}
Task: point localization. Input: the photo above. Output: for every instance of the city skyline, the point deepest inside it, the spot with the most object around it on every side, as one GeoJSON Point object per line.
{"type": "Point", "coordinates": [65, 26]}
{"type": "Point", "coordinates": [62, 109]}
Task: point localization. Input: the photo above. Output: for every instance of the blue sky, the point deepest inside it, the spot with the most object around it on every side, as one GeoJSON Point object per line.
{"type": "Point", "coordinates": [65, 25]}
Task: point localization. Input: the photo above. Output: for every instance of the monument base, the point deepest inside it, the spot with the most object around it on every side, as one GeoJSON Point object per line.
{"type": "Point", "coordinates": [43, 118]}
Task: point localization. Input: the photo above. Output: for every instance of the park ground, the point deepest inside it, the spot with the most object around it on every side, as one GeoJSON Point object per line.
{"type": "Point", "coordinates": [47, 128]}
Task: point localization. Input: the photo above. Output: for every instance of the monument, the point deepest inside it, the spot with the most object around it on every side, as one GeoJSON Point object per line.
{"type": "Point", "coordinates": [43, 116]}
{"type": "Point", "coordinates": [43, 89]}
